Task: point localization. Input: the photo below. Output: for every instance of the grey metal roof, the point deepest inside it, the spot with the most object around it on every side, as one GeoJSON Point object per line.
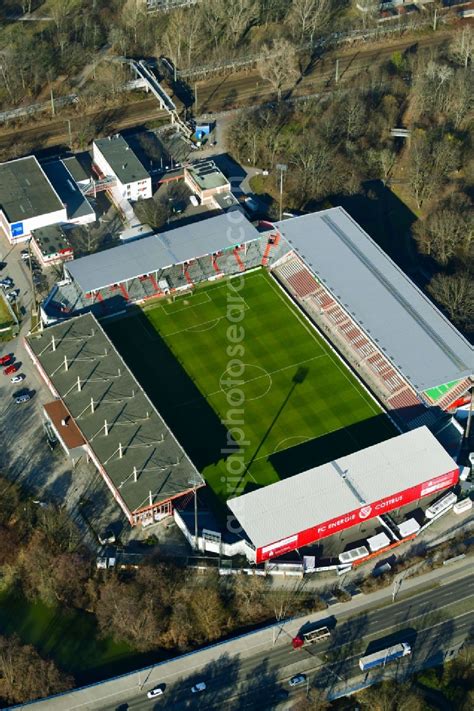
{"type": "Point", "coordinates": [207, 175]}
{"type": "Point", "coordinates": [414, 335]}
{"type": "Point", "coordinates": [68, 190]}
{"type": "Point", "coordinates": [151, 254]}
{"type": "Point", "coordinates": [163, 468]}
{"type": "Point", "coordinates": [25, 191]}
{"type": "Point", "coordinates": [76, 169]}
{"type": "Point", "coordinates": [320, 494]}
{"type": "Point", "coordinates": [121, 158]}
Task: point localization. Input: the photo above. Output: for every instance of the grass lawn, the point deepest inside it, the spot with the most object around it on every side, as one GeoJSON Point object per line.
{"type": "Point", "coordinates": [5, 316]}
{"type": "Point", "coordinates": [69, 638]}
{"type": "Point", "coordinates": [298, 404]}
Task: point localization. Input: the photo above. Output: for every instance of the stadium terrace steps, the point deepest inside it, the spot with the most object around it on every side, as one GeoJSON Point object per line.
{"type": "Point", "coordinates": [393, 389]}
{"type": "Point", "coordinates": [298, 277]}
{"type": "Point", "coordinates": [238, 259]}
{"type": "Point", "coordinates": [404, 400]}
{"type": "Point", "coordinates": [155, 284]}
{"type": "Point", "coordinates": [454, 394]}
{"type": "Point", "coordinates": [124, 292]}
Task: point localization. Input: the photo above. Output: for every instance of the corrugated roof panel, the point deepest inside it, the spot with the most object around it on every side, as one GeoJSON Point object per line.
{"type": "Point", "coordinates": [113, 266]}
{"type": "Point", "coordinates": [414, 334]}
{"type": "Point", "coordinates": [275, 512]}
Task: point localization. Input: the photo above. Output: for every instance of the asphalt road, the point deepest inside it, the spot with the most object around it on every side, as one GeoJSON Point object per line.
{"type": "Point", "coordinates": [224, 93]}
{"type": "Point", "coordinates": [434, 622]}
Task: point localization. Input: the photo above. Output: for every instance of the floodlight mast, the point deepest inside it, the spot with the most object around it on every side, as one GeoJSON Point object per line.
{"type": "Point", "coordinates": [196, 531]}
{"type": "Point", "coordinates": [282, 167]}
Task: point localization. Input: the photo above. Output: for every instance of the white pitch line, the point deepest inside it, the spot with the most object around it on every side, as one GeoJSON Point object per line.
{"type": "Point", "coordinates": [268, 373]}
{"type": "Point", "coordinates": [316, 338]}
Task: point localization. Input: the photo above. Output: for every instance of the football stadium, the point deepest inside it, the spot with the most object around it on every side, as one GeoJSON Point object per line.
{"type": "Point", "coordinates": [265, 352]}
{"type": "Point", "coordinates": [286, 389]}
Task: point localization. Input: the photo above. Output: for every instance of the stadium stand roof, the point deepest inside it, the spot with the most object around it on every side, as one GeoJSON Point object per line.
{"type": "Point", "coordinates": [326, 492]}
{"type": "Point", "coordinates": [96, 373]}
{"type": "Point", "coordinates": [25, 190]}
{"type": "Point", "coordinates": [151, 254]}
{"type": "Point", "coordinates": [414, 335]}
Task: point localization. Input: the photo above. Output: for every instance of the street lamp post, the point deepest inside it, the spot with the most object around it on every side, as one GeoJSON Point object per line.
{"type": "Point", "coordinates": [196, 529]}
{"type": "Point", "coordinates": [33, 287]}
{"type": "Point", "coordinates": [282, 167]}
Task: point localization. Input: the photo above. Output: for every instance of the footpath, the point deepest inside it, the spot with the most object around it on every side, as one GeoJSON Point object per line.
{"type": "Point", "coordinates": [121, 689]}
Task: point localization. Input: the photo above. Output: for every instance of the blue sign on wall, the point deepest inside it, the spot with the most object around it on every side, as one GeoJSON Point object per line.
{"type": "Point", "coordinates": [17, 229]}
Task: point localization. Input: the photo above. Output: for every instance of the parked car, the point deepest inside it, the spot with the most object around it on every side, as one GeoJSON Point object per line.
{"type": "Point", "coordinates": [157, 691]}
{"type": "Point", "coordinates": [2, 265]}
{"type": "Point", "coordinates": [18, 378]}
{"type": "Point", "coordinates": [25, 254]}
{"type": "Point", "coordinates": [6, 283]}
{"type": "Point", "coordinates": [107, 536]}
{"type": "Point", "coordinates": [200, 686]}
{"type": "Point", "coordinates": [10, 369]}
{"type": "Point", "coordinates": [6, 359]}
{"type": "Point", "coordinates": [194, 200]}
{"type": "Point", "coordinates": [22, 398]}
{"type": "Point", "coordinates": [297, 680]}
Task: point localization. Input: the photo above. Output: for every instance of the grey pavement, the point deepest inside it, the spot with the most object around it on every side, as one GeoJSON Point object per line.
{"type": "Point", "coordinates": [434, 609]}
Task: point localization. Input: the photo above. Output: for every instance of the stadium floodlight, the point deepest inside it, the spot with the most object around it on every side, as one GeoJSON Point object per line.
{"type": "Point", "coordinates": [282, 167]}
{"type": "Point", "coordinates": [194, 483]}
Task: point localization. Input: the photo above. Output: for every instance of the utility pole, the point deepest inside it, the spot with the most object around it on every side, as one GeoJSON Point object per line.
{"type": "Point", "coordinates": [52, 102]}
{"type": "Point", "coordinates": [435, 19]}
{"type": "Point", "coordinates": [336, 78]}
{"type": "Point", "coordinates": [282, 168]}
{"type": "Point", "coordinates": [194, 484]}
{"type": "Point", "coordinates": [33, 288]}
{"type": "Point", "coordinates": [70, 133]}
{"type": "Point", "coordinates": [195, 98]}
{"type": "Point", "coordinates": [196, 532]}
{"type": "Point", "coordinates": [469, 417]}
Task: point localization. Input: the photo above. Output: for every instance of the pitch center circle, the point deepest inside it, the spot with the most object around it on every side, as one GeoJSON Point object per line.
{"type": "Point", "coordinates": [253, 379]}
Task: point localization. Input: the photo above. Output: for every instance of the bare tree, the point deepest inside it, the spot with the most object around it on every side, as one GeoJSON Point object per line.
{"type": "Point", "coordinates": [152, 212]}
{"type": "Point", "coordinates": [462, 46]}
{"type": "Point", "coordinates": [307, 16]}
{"type": "Point", "coordinates": [61, 11]}
{"type": "Point", "coordinates": [214, 16]}
{"type": "Point", "coordinates": [455, 294]}
{"type": "Point", "coordinates": [389, 696]}
{"type": "Point", "coordinates": [174, 38]}
{"type": "Point", "coordinates": [133, 16]}
{"type": "Point", "coordinates": [25, 675]}
{"type": "Point", "coordinates": [431, 159]}
{"type": "Point", "coordinates": [460, 98]}
{"type": "Point", "coordinates": [279, 65]}
{"type": "Point", "coordinates": [447, 231]}
{"type": "Point", "coordinates": [368, 9]}
{"type": "Point", "coordinates": [315, 701]}
{"type": "Point", "coordinates": [241, 13]}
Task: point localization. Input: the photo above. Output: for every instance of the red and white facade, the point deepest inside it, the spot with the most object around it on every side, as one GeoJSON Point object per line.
{"type": "Point", "coordinates": [342, 494]}
{"type": "Point", "coordinates": [353, 518]}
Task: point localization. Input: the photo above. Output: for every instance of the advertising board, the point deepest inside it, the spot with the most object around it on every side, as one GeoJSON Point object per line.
{"type": "Point", "coordinates": [353, 518]}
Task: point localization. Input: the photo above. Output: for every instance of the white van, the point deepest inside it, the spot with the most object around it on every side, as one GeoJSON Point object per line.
{"type": "Point", "coordinates": [194, 200]}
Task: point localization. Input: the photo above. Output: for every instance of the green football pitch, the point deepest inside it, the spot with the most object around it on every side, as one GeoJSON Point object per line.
{"type": "Point", "coordinates": [250, 389]}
